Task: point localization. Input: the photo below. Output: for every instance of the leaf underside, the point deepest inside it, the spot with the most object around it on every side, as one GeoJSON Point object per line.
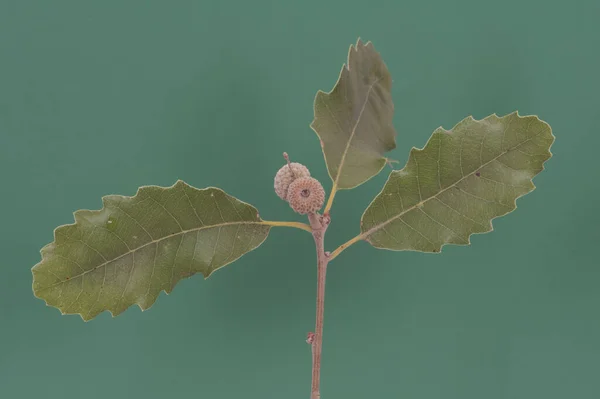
{"type": "Point", "coordinates": [354, 120]}
{"type": "Point", "coordinates": [135, 247]}
{"type": "Point", "coordinates": [458, 183]}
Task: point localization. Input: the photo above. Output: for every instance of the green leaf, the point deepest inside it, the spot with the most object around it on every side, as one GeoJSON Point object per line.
{"type": "Point", "coordinates": [458, 183]}
{"type": "Point", "coordinates": [354, 120]}
{"type": "Point", "coordinates": [135, 247]}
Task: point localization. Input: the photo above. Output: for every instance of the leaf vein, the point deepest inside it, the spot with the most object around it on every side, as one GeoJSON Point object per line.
{"type": "Point", "coordinates": [399, 215]}
{"type": "Point", "coordinates": [181, 233]}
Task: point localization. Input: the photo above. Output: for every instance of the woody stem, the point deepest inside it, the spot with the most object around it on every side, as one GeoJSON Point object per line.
{"type": "Point", "coordinates": [319, 225]}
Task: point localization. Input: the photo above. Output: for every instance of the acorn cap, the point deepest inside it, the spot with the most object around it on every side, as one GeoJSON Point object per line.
{"type": "Point", "coordinates": [285, 177]}
{"type": "Point", "coordinates": [306, 195]}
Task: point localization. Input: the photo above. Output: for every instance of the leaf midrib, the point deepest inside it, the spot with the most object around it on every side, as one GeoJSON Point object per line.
{"type": "Point", "coordinates": [182, 232]}
{"type": "Point", "coordinates": [352, 134]}
{"type": "Point", "coordinates": [420, 203]}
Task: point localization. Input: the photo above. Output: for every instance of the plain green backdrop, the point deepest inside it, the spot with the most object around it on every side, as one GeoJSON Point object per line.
{"type": "Point", "coordinates": [101, 97]}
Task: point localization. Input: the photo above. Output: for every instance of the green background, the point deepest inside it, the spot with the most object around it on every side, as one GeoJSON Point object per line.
{"type": "Point", "coordinates": [101, 97]}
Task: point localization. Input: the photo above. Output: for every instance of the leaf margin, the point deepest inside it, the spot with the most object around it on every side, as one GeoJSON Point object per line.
{"type": "Point", "coordinates": [363, 236]}
{"type": "Point", "coordinates": [45, 250]}
{"type": "Point", "coordinates": [323, 93]}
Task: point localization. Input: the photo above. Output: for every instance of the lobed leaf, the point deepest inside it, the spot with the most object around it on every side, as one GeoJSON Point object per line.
{"type": "Point", "coordinates": [354, 120]}
{"type": "Point", "coordinates": [135, 247]}
{"type": "Point", "coordinates": [458, 183]}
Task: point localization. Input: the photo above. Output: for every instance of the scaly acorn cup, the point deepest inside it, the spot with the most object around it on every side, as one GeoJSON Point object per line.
{"type": "Point", "coordinates": [306, 195]}
{"type": "Point", "coordinates": [286, 175]}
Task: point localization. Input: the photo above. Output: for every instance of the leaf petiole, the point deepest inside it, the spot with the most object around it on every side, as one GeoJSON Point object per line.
{"type": "Point", "coordinates": [298, 225]}
{"type": "Point", "coordinates": [330, 199]}
{"type": "Point", "coordinates": [345, 245]}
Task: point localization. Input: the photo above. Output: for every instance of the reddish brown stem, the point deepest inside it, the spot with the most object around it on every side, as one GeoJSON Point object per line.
{"type": "Point", "coordinates": [319, 226]}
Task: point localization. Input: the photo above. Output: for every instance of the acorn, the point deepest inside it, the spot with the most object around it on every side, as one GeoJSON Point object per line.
{"type": "Point", "coordinates": [306, 195]}
{"type": "Point", "coordinates": [286, 175]}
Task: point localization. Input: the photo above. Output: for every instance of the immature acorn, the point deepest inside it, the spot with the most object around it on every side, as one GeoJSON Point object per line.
{"type": "Point", "coordinates": [306, 195]}
{"type": "Point", "coordinates": [286, 175]}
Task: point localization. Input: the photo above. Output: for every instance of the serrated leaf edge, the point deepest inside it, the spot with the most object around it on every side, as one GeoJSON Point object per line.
{"type": "Point", "coordinates": [45, 248]}
{"type": "Point", "coordinates": [365, 236]}
{"type": "Point", "coordinates": [345, 66]}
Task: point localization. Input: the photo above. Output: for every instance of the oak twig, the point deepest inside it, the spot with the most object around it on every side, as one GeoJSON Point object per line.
{"type": "Point", "coordinates": [319, 225]}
